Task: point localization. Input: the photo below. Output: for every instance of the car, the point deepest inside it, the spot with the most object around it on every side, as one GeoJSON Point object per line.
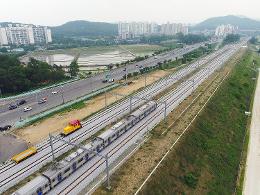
{"type": "Point", "coordinates": [5, 128]}
{"type": "Point", "coordinates": [21, 102]}
{"type": "Point", "coordinates": [27, 108]}
{"type": "Point", "coordinates": [108, 80]}
{"type": "Point", "coordinates": [12, 106]}
{"type": "Point", "coordinates": [42, 101]}
{"type": "Point", "coordinates": [54, 92]}
{"type": "Point", "coordinates": [111, 80]}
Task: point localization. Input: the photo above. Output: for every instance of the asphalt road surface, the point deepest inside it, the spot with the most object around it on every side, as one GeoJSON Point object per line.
{"type": "Point", "coordinates": [252, 173]}
{"type": "Point", "coordinates": [11, 173]}
{"type": "Point", "coordinates": [79, 88]}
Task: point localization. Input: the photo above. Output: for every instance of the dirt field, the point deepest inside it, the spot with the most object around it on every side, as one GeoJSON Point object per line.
{"type": "Point", "coordinates": [137, 168]}
{"type": "Point", "coordinates": [13, 144]}
{"type": "Point", "coordinates": [35, 133]}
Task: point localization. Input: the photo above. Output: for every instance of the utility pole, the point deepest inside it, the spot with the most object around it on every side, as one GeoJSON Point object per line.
{"type": "Point", "coordinates": [165, 111]}
{"type": "Point", "coordinates": [52, 151]}
{"type": "Point", "coordinates": [125, 76]}
{"type": "Point", "coordinates": [106, 98]}
{"type": "Point", "coordinates": [106, 157]}
{"type": "Point", "coordinates": [36, 96]}
{"type": "Point", "coordinates": [62, 94]}
{"type": "Point", "coordinates": [130, 104]}
{"type": "Point", "coordinates": [107, 171]}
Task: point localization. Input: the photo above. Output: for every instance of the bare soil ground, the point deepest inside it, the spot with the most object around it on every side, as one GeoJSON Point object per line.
{"type": "Point", "coordinates": [35, 133]}
{"type": "Point", "coordinates": [13, 144]}
{"type": "Point", "coordinates": [129, 177]}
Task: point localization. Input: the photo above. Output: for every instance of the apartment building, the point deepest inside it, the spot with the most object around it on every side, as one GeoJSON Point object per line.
{"type": "Point", "coordinates": [136, 29]}
{"type": "Point", "coordinates": [20, 34]}
{"type": "Point", "coordinates": [224, 30]}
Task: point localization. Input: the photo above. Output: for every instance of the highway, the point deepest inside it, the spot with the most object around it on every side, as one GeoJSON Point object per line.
{"type": "Point", "coordinates": [11, 173]}
{"type": "Point", "coordinates": [252, 172]}
{"type": "Point", "coordinates": [92, 169]}
{"type": "Point", "coordinates": [74, 90]}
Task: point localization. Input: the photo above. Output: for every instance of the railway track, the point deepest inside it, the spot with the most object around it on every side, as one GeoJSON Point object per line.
{"type": "Point", "coordinates": [178, 75]}
{"type": "Point", "coordinates": [182, 92]}
{"type": "Point", "coordinates": [159, 84]}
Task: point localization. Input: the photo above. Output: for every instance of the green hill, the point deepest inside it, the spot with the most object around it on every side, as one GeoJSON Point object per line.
{"type": "Point", "coordinates": [85, 29]}
{"type": "Point", "coordinates": [242, 23]}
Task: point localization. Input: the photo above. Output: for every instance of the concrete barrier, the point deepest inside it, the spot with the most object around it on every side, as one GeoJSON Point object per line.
{"type": "Point", "coordinates": [31, 119]}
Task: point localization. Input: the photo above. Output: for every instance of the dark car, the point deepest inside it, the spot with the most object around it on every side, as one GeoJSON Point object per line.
{"type": "Point", "coordinates": [5, 128]}
{"type": "Point", "coordinates": [21, 102]}
{"type": "Point", "coordinates": [12, 106]}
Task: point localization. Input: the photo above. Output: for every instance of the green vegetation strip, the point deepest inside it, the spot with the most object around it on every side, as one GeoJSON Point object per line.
{"type": "Point", "coordinates": [254, 58]}
{"type": "Point", "coordinates": [207, 160]}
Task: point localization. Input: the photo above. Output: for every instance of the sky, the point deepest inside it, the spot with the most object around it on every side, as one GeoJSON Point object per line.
{"type": "Point", "coordinates": [57, 12]}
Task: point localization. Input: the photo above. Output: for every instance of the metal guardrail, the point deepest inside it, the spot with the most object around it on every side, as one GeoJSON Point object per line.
{"type": "Point", "coordinates": [28, 120]}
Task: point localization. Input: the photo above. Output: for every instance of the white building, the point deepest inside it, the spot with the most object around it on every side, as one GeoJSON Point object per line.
{"type": "Point", "coordinates": [3, 37]}
{"type": "Point", "coordinates": [24, 35]}
{"type": "Point", "coordinates": [173, 29]}
{"type": "Point", "coordinates": [128, 30]}
{"type": "Point", "coordinates": [224, 30]}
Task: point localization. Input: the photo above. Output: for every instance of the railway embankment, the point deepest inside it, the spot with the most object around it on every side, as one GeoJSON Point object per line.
{"type": "Point", "coordinates": [207, 129]}
{"type": "Point", "coordinates": [207, 160]}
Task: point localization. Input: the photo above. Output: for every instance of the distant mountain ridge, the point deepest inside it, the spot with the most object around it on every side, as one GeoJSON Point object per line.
{"type": "Point", "coordinates": [85, 28]}
{"type": "Point", "coordinates": [243, 23]}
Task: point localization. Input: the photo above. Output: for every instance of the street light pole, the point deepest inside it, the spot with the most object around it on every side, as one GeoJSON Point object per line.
{"type": "Point", "coordinates": [106, 98]}
{"type": "Point", "coordinates": [126, 76]}
{"type": "Point", "coordinates": [62, 95]}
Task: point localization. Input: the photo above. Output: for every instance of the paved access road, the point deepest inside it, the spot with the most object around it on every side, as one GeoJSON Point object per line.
{"type": "Point", "coordinates": [252, 173]}
{"type": "Point", "coordinates": [79, 88]}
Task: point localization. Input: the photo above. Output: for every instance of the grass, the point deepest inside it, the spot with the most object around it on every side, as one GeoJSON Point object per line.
{"type": "Point", "coordinates": [207, 160]}
{"type": "Point", "coordinates": [136, 48]}
{"type": "Point", "coordinates": [254, 57]}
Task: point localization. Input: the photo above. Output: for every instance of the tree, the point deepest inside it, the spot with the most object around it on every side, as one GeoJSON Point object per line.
{"type": "Point", "coordinates": [231, 38]}
{"type": "Point", "coordinates": [253, 40]}
{"type": "Point", "coordinates": [16, 78]}
{"type": "Point", "coordinates": [73, 68]}
{"type": "Point", "coordinates": [3, 50]}
{"type": "Point", "coordinates": [191, 38]}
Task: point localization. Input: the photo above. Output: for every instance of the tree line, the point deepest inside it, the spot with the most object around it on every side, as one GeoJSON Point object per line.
{"type": "Point", "coordinates": [231, 38]}
{"type": "Point", "coordinates": [16, 77]}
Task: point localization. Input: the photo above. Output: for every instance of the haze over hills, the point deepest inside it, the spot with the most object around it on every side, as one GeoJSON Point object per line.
{"type": "Point", "coordinates": [85, 28]}
{"type": "Point", "coordinates": [94, 29]}
{"type": "Point", "coordinates": [243, 23]}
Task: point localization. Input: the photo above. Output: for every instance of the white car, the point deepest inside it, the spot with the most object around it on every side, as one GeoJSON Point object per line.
{"type": "Point", "coordinates": [26, 109]}
{"type": "Point", "coordinates": [54, 92]}
{"type": "Point", "coordinates": [111, 80]}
